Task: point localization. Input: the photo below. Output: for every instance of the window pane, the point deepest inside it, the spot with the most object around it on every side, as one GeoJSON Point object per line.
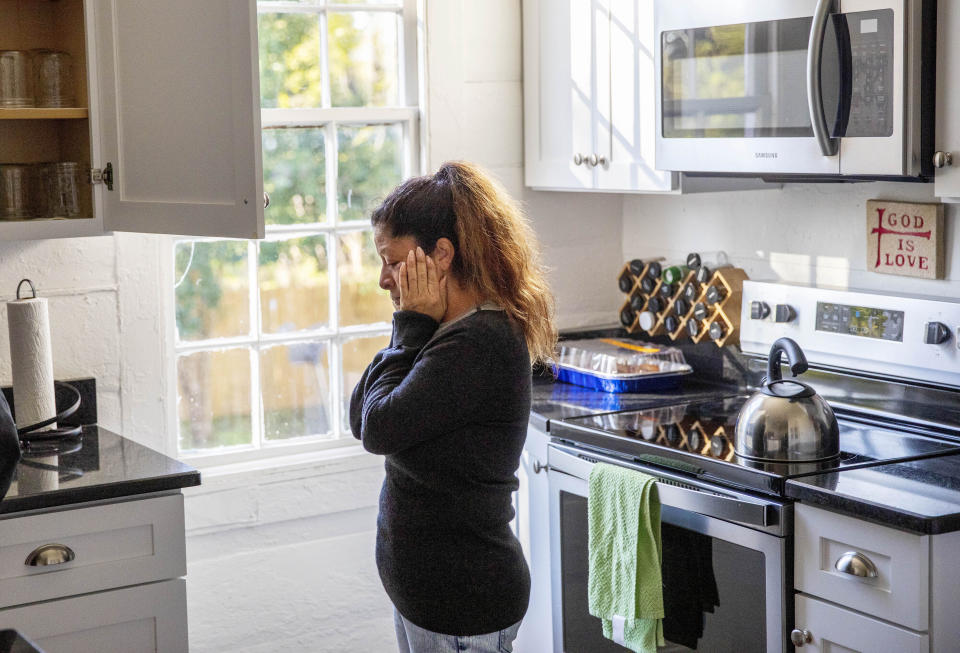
{"type": "Point", "coordinates": [213, 399]}
{"type": "Point", "coordinates": [364, 60]}
{"type": "Point", "coordinates": [290, 67]}
{"type": "Point", "coordinates": [294, 175]}
{"type": "Point", "coordinates": [294, 284]}
{"type": "Point", "coordinates": [212, 289]}
{"type": "Point", "coordinates": [295, 387]}
{"type": "Point", "coordinates": [362, 301]}
{"type": "Point", "coordinates": [357, 354]}
{"type": "Point", "coordinates": [370, 165]}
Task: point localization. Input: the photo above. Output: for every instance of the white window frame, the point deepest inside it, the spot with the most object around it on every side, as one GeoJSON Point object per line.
{"type": "Point", "coordinates": [409, 117]}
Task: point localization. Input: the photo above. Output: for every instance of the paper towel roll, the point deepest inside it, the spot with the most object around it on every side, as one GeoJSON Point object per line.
{"type": "Point", "coordinates": [31, 358]}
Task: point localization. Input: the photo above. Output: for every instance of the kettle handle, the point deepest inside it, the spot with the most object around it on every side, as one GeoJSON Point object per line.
{"type": "Point", "coordinates": [798, 362]}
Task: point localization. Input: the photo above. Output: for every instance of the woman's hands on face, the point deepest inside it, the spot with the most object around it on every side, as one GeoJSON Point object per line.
{"type": "Point", "coordinates": [421, 288]}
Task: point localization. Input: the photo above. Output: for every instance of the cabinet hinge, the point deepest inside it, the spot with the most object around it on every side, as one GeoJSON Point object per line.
{"type": "Point", "coordinates": [105, 176]}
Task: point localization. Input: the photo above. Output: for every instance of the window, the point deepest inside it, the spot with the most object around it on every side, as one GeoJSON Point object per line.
{"type": "Point", "coordinates": [272, 335]}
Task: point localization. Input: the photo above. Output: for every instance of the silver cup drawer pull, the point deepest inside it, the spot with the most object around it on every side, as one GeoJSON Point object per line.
{"type": "Point", "coordinates": [50, 554]}
{"type": "Point", "coordinates": [856, 564]}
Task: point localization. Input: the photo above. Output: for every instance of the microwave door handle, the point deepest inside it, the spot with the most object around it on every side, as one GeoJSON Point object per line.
{"type": "Point", "coordinates": [828, 146]}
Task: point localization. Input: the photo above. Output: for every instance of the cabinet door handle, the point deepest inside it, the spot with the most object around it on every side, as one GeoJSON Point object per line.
{"type": "Point", "coordinates": [50, 554]}
{"type": "Point", "coordinates": [266, 199]}
{"type": "Point", "coordinates": [593, 160]}
{"type": "Point", "coordinates": [799, 637]}
{"type": "Point", "coordinates": [856, 564]}
{"type": "Point", "coordinates": [539, 467]}
{"type": "Point", "coordinates": [941, 159]}
{"type": "Point", "coordinates": [577, 159]}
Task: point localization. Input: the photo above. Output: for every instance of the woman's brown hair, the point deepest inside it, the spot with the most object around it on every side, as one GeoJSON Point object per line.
{"type": "Point", "coordinates": [496, 250]}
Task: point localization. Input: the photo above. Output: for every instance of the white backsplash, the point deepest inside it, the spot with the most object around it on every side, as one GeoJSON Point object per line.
{"type": "Point", "coordinates": [802, 233]}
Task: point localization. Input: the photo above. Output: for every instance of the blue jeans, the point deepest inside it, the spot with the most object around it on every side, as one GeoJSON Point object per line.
{"type": "Point", "coordinates": [414, 639]}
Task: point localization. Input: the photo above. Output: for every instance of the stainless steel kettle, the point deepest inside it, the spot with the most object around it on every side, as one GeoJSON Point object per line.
{"type": "Point", "coordinates": [786, 421]}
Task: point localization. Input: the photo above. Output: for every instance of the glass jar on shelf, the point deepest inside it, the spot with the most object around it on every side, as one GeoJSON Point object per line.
{"type": "Point", "coordinates": [18, 196]}
{"type": "Point", "coordinates": [59, 189]}
{"type": "Point", "coordinates": [15, 86]}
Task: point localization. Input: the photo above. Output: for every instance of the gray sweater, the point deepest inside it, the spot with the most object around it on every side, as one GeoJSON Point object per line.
{"type": "Point", "coordinates": [449, 411]}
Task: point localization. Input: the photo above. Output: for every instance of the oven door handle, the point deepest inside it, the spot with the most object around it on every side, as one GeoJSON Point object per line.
{"type": "Point", "coordinates": [828, 146]}
{"type": "Point", "coordinates": [676, 491]}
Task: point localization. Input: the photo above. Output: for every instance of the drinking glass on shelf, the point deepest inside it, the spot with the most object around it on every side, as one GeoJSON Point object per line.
{"type": "Point", "coordinates": [53, 78]}
{"type": "Point", "coordinates": [59, 189]}
{"type": "Point", "coordinates": [15, 88]}
{"type": "Point", "coordinates": [17, 197]}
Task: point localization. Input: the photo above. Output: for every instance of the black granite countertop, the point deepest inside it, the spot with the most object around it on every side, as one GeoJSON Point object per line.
{"type": "Point", "coordinates": [106, 466]}
{"type": "Point", "coordinates": [921, 496]}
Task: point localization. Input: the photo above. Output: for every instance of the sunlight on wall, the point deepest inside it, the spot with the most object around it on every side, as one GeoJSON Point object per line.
{"type": "Point", "coordinates": [791, 268]}
{"type": "Point", "coordinates": [833, 271]}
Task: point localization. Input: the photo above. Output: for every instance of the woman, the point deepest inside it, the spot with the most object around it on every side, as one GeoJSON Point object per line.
{"type": "Point", "coordinates": [448, 402]}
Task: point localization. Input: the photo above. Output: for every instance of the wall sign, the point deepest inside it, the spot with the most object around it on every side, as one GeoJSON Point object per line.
{"type": "Point", "coordinates": [905, 239]}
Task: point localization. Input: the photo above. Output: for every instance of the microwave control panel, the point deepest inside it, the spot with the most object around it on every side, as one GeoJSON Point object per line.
{"type": "Point", "coordinates": [870, 35]}
{"type": "Point", "coordinates": [900, 336]}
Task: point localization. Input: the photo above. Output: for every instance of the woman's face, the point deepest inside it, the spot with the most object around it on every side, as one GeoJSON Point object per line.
{"type": "Point", "coordinates": [393, 252]}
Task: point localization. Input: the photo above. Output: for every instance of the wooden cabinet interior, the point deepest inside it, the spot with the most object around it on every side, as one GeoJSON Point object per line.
{"type": "Point", "coordinates": [37, 135]}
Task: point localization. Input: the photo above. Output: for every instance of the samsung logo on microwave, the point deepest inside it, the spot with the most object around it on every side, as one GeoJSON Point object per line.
{"type": "Point", "coordinates": [765, 155]}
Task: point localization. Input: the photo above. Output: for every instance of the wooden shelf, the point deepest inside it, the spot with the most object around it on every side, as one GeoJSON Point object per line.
{"type": "Point", "coordinates": [34, 113]}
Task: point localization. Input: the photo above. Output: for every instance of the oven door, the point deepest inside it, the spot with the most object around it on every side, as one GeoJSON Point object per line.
{"type": "Point", "coordinates": [725, 584]}
{"type": "Point", "coordinates": [787, 87]}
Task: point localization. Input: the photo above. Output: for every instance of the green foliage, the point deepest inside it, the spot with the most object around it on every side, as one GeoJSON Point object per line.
{"type": "Point", "coordinates": [289, 60]}
{"type": "Point", "coordinates": [295, 175]}
{"type": "Point", "coordinates": [369, 167]}
{"type": "Point", "coordinates": [200, 289]}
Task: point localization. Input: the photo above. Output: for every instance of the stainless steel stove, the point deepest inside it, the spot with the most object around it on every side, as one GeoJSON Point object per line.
{"type": "Point", "coordinates": [697, 438]}
{"type": "Point", "coordinates": [890, 368]}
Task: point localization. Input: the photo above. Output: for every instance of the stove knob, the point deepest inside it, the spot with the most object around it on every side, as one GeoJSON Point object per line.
{"type": "Point", "coordinates": [759, 310]}
{"type": "Point", "coordinates": [785, 313]}
{"type": "Point", "coordinates": [936, 333]}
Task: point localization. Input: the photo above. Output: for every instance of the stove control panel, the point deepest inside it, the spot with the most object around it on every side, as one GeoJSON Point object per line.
{"type": "Point", "coordinates": [903, 336]}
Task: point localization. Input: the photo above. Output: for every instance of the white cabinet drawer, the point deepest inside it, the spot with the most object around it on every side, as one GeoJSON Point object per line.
{"type": "Point", "coordinates": [900, 591]}
{"type": "Point", "coordinates": [834, 629]}
{"type": "Point", "coordinates": [139, 619]}
{"type": "Point", "coordinates": [115, 545]}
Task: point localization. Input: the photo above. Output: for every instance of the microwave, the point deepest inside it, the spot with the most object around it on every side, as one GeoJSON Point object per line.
{"type": "Point", "coordinates": [796, 88]}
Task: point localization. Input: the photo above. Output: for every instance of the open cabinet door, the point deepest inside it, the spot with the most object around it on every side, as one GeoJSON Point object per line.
{"type": "Point", "coordinates": [179, 114]}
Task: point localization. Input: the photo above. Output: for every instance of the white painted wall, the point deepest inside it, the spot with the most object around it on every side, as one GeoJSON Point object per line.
{"type": "Point", "coordinates": [804, 233]}
{"type": "Point", "coordinates": [475, 111]}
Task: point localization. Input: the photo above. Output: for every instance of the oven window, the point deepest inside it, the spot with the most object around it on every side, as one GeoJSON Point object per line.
{"type": "Point", "coordinates": [713, 591]}
{"type": "Point", "coordinates": [743, 81]}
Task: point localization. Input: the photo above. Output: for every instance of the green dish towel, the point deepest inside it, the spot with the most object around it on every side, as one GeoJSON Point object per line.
{"type": "Point", "coordinates": [624, 586]}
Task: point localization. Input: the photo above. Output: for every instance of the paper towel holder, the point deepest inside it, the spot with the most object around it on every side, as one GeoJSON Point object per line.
{"type": "Point", "coordinates": [32, 289]}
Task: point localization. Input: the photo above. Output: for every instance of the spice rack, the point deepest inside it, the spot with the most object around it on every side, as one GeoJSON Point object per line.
{"type": "Point", "coordinates": [713, 307]}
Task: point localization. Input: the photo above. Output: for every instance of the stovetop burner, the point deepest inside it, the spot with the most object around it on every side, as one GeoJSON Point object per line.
{"type": "Point", "coordinates": [697, 437]}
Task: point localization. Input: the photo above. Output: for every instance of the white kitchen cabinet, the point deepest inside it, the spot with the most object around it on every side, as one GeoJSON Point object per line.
{"type": "Point", "coordinates": [908, 605]}
{"type": "Point", "coordinates": [588, 68]}
{"type": "Point", "coordinates": [144, 619]}
{"type": "Point", "coordinates": [533, 530]}
{"type": "Point", "coordinates": [168, 101]}
{"type": "Point", "coordinates": [832, 628]}
{"type": "Point", "coordinates": [118, 589]}
{"type": "Point", "coordinates": [947, 180]}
